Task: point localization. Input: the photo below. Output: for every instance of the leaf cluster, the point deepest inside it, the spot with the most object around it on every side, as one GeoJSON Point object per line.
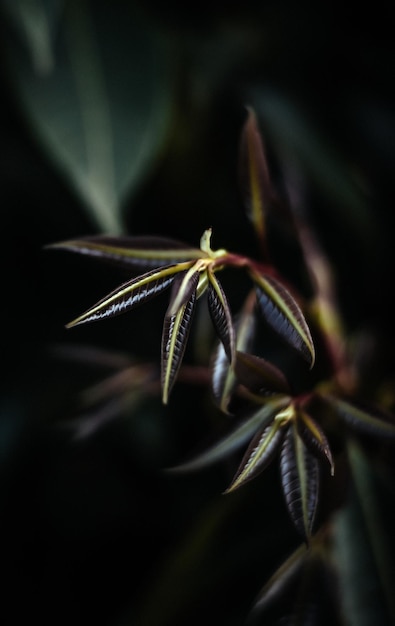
{"type": "Point", "coordinates": [275, 418]}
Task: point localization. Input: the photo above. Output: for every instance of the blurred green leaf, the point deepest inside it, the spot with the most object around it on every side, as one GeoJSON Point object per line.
{"type": "Point", "coordinates": [364, 563]}
{"type": "Point", "coordinates": [102, 108]}
{"type": "Point", "coordinates": [36, 22]}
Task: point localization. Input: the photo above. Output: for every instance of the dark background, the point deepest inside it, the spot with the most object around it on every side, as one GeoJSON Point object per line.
{"type": "Point", "coordinates": [92, 531]}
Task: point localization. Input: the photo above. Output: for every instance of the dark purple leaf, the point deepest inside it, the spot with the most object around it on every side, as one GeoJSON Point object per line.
{"type": "Point", "coordinates": [139, 252]}
{"type": "Point", "coordinates": [223, 378]}
{"type": "Point", "coordinates": [175, 335]}
{"type": "Point", "coordinates": [300, 481]}
{"type": "Point", "coordinates": [283, 314]}
{"type": "Point", "coordinates": [255, 183]}
{"type": "Point", "coordinates": [259, 454]}
{"type": "Point", "coordinates": [129, 295]}
{"type": "Point", "coordinates": [221, 316]}
{"type": "Point", "coordinates": [314, 438]}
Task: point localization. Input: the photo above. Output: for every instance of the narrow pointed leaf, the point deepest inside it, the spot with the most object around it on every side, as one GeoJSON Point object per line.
{"type": "Point", "coordinates": [238, 437]}
{"type": "Point", "coordinates": [300, 481]}
{"type": "Point", "coordinates": [259, 454]}
{"type": "Point", "coordinates": [183, 287]}
{"type": "Point", "coordinates": [223, 379]}
{"type": "Point", "coordinates": [284, 315]}
{"type": "Point", "coordinates": [371, 422]}
{"type": "Point", "coordinates": [174, 339]}
{"type": "Point", "coordinates": [129, 295]}
{"type": "Point", "coordinates": [141, 252]}
{"type": "Point", "coordinates": [259, 375]}
{"type": "Point", "coordinates": [101, 121]}
{"type": "Point", "coordinates": [254, 176]}
{"type": "Point", "coordinates": [221, 316]}
{"type": "Point", "coordinates": [362, 534]}
{"type": "Point", "coordinates": [279, 583]}
{"type": "Point", "coordinates": [314, 438]}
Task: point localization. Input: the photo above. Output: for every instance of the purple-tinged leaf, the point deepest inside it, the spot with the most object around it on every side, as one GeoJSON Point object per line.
{"type": "Point", "coordinates": [175, 334]}
{"type": "Point", "coordinates": [260, 453]}
{"type": "Point", "coordinates": [184, 286]}
{"type": "Point", "coordinates": [223, 379]}
{"type": "Point", "coordinates": [256, 186]}
{"type": "Point", "coordinates": [366, 421]}
{"type": "Point", "coordinates": [131, 294]}
{"type": "Point", "coordinates": [221, 316]}
{"type": "Point", "coordinates": [283, 314]}
{"type": "Point", "coordinates": [238, 437]}
{"type": "Point", "coordinates": [314, 438]}
{"type": "Point", "coordinates": [259, 375]}
{"type": "Point", "coordinates": [300, 481]}
{"type": "Point", "coordinates": [141, 252]}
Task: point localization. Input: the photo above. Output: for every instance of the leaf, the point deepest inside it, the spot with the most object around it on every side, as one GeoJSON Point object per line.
{"type": "Point", "coordinates": [129, 295]}
{"type": "Point", "coordinates": [362, 532]}
{"type": "Point", "coordinates": [174, 338]}
{"type": "Point", "coordinates": [302, 592]}
{"type": "Point", "coordinates": [255, 180]}
{"type": "Point", "coordinates": [278, 584]}
{"type": "Point", "coordinates": [370, 422]}
{"type": "Point", "coordinates": [314, 438]}
{"type": "Point", "coordinates": [235, 439]}
{"type": "Point", "coordinates": [284, 315]}
{"type": "Point", "coordinates": [141, 252]}
{"type": "Point", "coordinates": [300, 482]}
{"type": "Point", "coordinates": [36, 22]}
{"type": "Point", "coordinates": [259, 454]}
{"type": "Point", "coordinates": [293, 133]}
{"type": "Point", "coordinates": [259, 375]}
{"type": "Point", "coordinates": [102, 110]}
{"type": "Point", "coordinates": [223, 379]}
{"type": "Point", "coordinates": [185, 285]}
{"type": "Point", "coordinates": [221, 316]}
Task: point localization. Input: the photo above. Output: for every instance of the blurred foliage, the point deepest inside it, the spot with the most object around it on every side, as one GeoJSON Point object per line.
{"type": "Point", "coordinates": [126, 116]}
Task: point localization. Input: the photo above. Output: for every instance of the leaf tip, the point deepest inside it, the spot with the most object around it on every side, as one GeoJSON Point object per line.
{"type": "Point", "coordinates": [312, 356]}
{"type": "Point", "coordinates": [75, 322]}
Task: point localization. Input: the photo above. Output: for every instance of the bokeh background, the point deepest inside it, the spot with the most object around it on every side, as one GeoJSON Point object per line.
{"type": "Point", "coordinates": [125, 117]}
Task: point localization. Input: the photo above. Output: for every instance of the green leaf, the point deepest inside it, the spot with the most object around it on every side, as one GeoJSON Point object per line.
{"type": "Point", "coordinates": [369, 421]}
{"type": "Point", "coordinates": [175, 334]}
{"type": "Point", "coordinates": [130, 294]}
{"type": "Point", "coordinates": [279, 583]}
{"type": "Point", "coordinates": [36, 22]}
{"type": "Point", "coordinates": [361, 547]}
{"type": "Point", "coordinates": [300, 481]}
{"type": "Point", "coordinates": [102, 108]}
{"type": "Point", "coordinates": [144, 252]}
{"type": "Point", "coordinates": [284, 315]}
{"type": "Point", "coordinates": [235, 439]}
